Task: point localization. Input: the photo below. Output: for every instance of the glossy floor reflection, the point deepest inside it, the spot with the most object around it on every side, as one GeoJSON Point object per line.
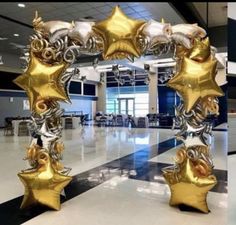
{"type": "Point", "coordinates": [124, 201]}
{"type": "Point", "coordinates": [123, 162]}
{"type": "Point", "coordinates": [232, 192]}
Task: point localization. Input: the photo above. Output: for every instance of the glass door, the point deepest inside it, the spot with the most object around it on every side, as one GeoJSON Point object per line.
{"type": "Point", "coordinates": [126, 106]}
{"type": "Point", "coordinates": [122, 106]}
{"type": "Point", "coordinates": [130, 106]}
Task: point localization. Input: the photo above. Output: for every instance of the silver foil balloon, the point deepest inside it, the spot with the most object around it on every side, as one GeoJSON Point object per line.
{"type": "Point", "coordinates": [81, 31]}
{"type": "Point", "coordinates": [156, 32]}
{"type": "Point", "coordinates": [190, 30]}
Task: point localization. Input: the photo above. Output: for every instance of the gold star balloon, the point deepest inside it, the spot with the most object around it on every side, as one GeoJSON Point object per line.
{"type": "Point", "coordinates": [42, 81]}
{"type": "Point", "coordinates": [181, 51]}
{"type": "Point", "coordinates": [44, 185]}
{"type": "Point", "coordinates": [201, 50]}
{"type": "Point", "coordinates": [196, 80]}
{"type": "Point", "coordinates": [188, 186]}
{"type": "Point", "coordinates": [119, 34]}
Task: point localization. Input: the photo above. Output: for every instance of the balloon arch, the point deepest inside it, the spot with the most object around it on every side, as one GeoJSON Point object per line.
{"type": "Point", "coordinates": [54, 47]}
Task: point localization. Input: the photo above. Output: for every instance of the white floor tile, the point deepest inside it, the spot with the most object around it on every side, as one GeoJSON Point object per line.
{"type": "Point", "coordinates": [84, 149]}
{"type": "Point", "coordinates": [231, 189]}
{"type": "Point", "coordinates": [124, 201]}
{"type": "Point", "coordinates": [218, 151]}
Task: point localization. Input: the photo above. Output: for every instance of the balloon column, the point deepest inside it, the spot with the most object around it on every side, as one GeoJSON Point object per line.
{"type": "Point", "coordinates": [55, 45]}
{"type": "Point", "coordinates": [191, 178]}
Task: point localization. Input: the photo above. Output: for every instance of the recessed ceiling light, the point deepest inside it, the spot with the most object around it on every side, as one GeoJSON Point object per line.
{"type": "Point", "coordinates": [16, 35]}
{"type": "Point", "coordinates": [21, 5]}
{"type": "Point", "coordinates": [3, 38]}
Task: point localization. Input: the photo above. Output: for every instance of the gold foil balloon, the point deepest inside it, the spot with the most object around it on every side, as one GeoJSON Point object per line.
{"type": "Point", "coordinates": [81, 32]}
{"type": "Point", "coordinates": [181, 51]}
{"type": "Point", "coordinates": [201, 50]}
{"type": "Point", "coordinates": [180, 155]}
{"type": "Point", "coordinates": [42, 81]}
{"type": "Point", "coordinates": [196, 80]}
{"type": "Point", "coordinates": [32, 152]}
{"type": "Point", "coordinates": [59, 147]}
{"type": "Point", "coordinates": [210, 105]}
{"type": "Point", "coordinates": [41, 106]}
{"type": "Point", "coordinates": [43, 185]}
{"type": "Point", "coordinates": [187, 187]}
{"type": "Point", "coordinates": [119, 34]}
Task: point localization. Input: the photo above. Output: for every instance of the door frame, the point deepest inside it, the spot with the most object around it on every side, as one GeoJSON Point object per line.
{"type": "Point", "coordinates": [126, 105]}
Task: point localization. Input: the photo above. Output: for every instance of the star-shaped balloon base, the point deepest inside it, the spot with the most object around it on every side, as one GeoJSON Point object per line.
{"type": "Point", "coordinates": [188, 187]}
{"type": "Point", "coordinates": [43, 186]}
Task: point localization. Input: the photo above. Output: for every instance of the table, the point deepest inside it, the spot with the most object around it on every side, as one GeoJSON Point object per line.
{"type": "Point", "coordinates": [104, 120]}
{"type": "Point", "coordinates": [75, 122]}
{"type": "Point", "coordinates": [136, 121]}
{"type": "Point", "coordinates": [15, 124]}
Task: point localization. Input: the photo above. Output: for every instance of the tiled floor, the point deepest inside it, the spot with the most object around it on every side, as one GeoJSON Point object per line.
{"type": "Point", "coordinates": [117, 178]}
{"type": "Point", "coordinates": [232, 192]}
{"type": "Point", "coordinates": [124, 201]}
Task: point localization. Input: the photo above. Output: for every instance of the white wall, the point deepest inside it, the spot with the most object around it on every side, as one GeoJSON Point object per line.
{"type": "Point", "coordinates": [221, 77]}
{"type": "Point", "coordinates": [232, 10]}
{"type": "Point", "coordinates": [78, 105]}
{"type": "Point", "coordinates": [12, 109]}
{"type": "Point", "coordinates": [231, 105]}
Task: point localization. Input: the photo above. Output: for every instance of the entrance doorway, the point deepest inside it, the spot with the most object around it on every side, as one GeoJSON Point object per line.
{"type": "Point", "coordinates": [126, 106]}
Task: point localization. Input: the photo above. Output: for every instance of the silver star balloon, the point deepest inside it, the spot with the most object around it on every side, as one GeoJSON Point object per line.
{"type": "Point", "coordinates": [82, 31]}
{"type": "Point", "coordinates": [46, 136]}
{"type": "Point", "coordinates": [192, 136]}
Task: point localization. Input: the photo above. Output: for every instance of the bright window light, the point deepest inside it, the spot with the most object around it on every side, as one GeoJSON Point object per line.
{"type": "Point", "coordinates": [21, 5]}
{"type": "Point", "coordinates": [16, 35]}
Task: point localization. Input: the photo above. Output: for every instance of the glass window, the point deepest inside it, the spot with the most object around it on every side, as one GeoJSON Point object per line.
{"type": "Point", "coordinates": [136, 97]}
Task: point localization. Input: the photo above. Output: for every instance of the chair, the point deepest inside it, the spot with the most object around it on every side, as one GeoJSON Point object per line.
{"type": "Point", "coordinates": [141, 122]}
{"type": "Point", "coordinates": [68, 123]}
{"type": "Point", "coordinates": [165, 120]}
{"type": "Point", "coordinates": [151, 119]}
{"type": "Point", "coordinates": [23, 129]}
{"type": "Point", "coordinates": [8, 128]}
{"type": "Point", "coordinates": [119, 120]}
{"type": "Point", "coordinates": [103, 121]}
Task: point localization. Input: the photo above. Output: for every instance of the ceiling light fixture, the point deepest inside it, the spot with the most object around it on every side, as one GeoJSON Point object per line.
{"type": "Point", "coordinates": [3, 38]}
{"type": "Point", "coordinates": [21, 5]}
{"type": "Point", "coordinates": [16, 35]}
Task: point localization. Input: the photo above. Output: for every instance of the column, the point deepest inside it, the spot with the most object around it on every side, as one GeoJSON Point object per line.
{"type": "Point", "coordinates": [152, 89]}
{"type": "Point", "coordinates": [101, 93]}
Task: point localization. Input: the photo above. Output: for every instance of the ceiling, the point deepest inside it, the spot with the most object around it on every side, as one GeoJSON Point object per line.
{"type": "Point", "coordinates": [231, 10]}
{"type": "Point", "coordinates": [16, 20]}
{"type": "Point", "coordinates": [217, 12]}
{"type": "Point", "coordinates": [72, 11]}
